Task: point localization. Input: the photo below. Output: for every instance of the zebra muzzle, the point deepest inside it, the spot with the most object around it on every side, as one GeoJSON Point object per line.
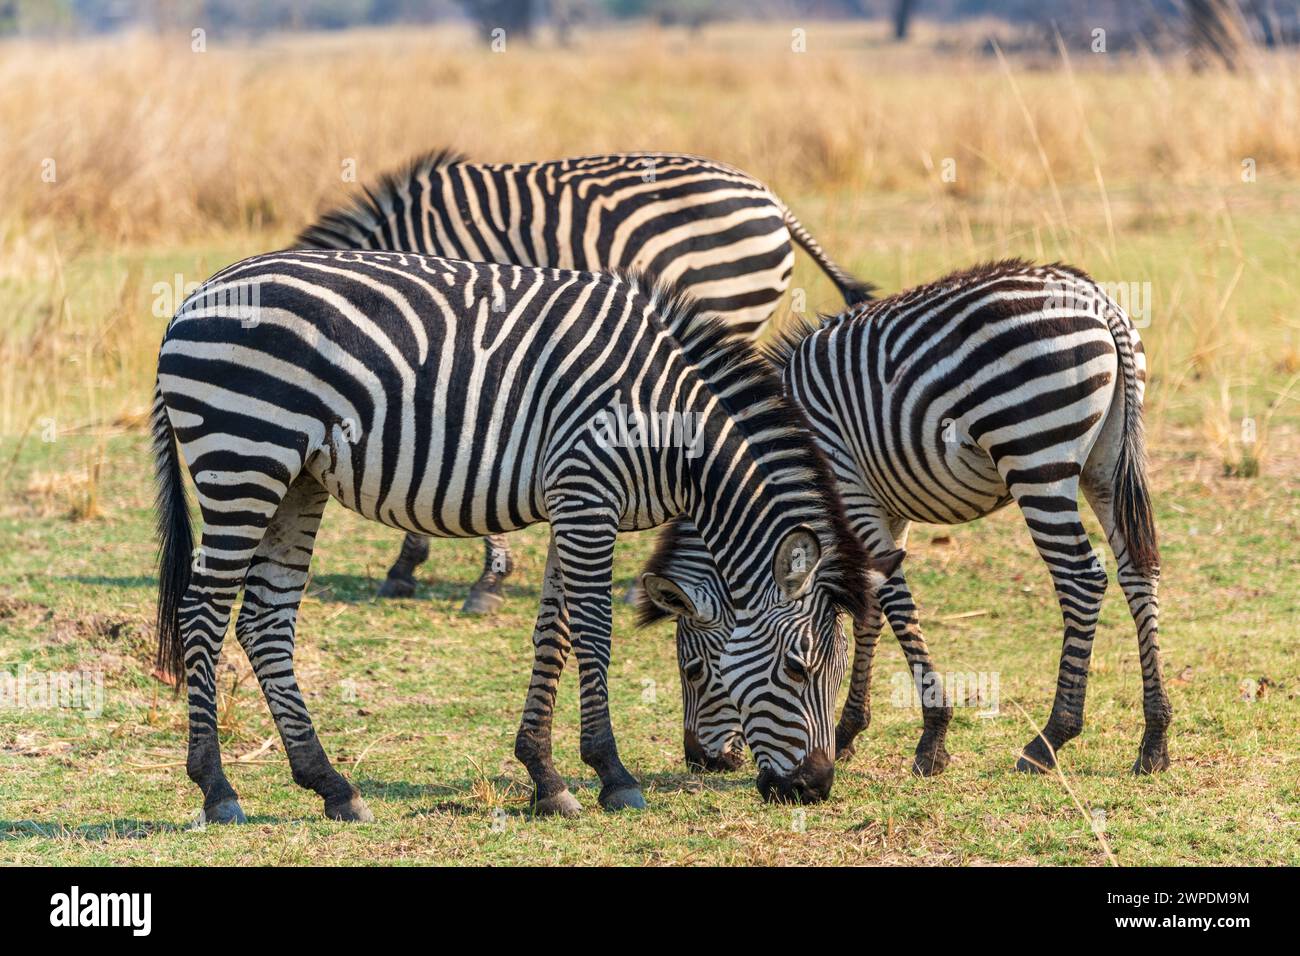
{"type": "Point", "coordinates": [809, 783]}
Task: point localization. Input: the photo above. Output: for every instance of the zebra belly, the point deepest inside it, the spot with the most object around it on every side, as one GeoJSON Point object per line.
{"type": "Point", "coordinates": [958, 485]}
{"type": "Point", "coordinates": [450, 493]}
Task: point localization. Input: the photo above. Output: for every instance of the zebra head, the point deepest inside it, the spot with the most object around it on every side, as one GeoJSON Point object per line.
{"type": "Point", "coordinates": [782, 669]}
{"type": "Point", "coordinates": [689, 588]}
{"type": "Point", "coordinates": [771, 677]}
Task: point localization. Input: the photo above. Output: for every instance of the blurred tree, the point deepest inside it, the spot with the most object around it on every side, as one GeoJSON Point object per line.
{"type": "Point", "coordinates": [903, 10]}
{"type": "Point", "coordinates": [513, 16]}
{"type": "Point", "coordinates": [1218, 31]}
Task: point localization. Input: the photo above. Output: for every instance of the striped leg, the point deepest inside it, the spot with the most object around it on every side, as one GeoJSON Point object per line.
{"type": "Point", "coordinates": [273, 590]}
{"type": "Point", "coordinates": [855, 717]}
{"type": "Point", "coordinates": [235, 517]}
{"type": "Point", "coordinates": [400, 582]}
{"type": "Point", "coordinates": [884, 534]}
{"type": "Point", "coordinates": [1143, 602]}
{"type": "Point", "coordinates": [485, 596]}
{"type": "Point", "coordinates": [550, 651]}
{"type": "Point", "coordinates": [1051, 509]}
{"type": "Point", "coordinates": [584, 542]}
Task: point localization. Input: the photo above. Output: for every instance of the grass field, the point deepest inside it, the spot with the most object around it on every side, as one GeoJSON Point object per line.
{"type": "Point", "coordinates": [1132, 169]}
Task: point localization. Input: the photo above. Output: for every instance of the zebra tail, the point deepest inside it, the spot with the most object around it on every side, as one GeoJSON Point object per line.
{"type": "Point", "coordinates": [175, 540]}
{"type": "Point", "coordinates": [853, 290]}
{"type": "Point", "coordinates": [1133, 511]}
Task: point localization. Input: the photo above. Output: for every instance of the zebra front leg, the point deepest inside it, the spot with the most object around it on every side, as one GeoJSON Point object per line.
{"type": "Point", "coordinates": [585, 549]}
{"type": "Point", "coordinates": [856, 714]}
{"type": "Point", "coordinates": [267, 621]}
{"type": "Point", "coordinates": [400, 582]}
{"type": "Point", "coordinates": [936, 710]}
{"type": "Point", "coordinates": [550, 652]}
{"type": "Point", "coordinates": [1052, 513]}
{"type": "Point", "coordinates": [485, 596]}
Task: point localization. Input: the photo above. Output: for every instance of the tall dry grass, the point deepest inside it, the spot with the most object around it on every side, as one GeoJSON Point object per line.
{"type": "Point", "coordinates": [150, 139]}
{"type": "Point", "coordinates": [167, 161]}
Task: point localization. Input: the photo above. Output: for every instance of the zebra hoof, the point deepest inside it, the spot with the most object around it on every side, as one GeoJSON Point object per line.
{"type": "Point", "coordinates": [397, 588]}
{"type": "Point", "coordinates": [353, 810]}
{"type": "Point", "coordinates": [1028, 764]}
{"type": "Point", "coordinates": [562, 804]}
{"type": "Point", "coordinates": [227, 811]}
{"type": "Point", "coordinates": [1037, 757]}
{"type": "Point", "coordinates": [622, 798]}
{"type": "Point", "coordinates": [1151, 762]}
{"type": "Point", "coordinates": [482, 602]}
{"type": "Point", "coordinates": [930, 764]}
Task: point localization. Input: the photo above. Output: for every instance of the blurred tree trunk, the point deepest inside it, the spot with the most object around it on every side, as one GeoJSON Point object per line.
{"type": "Point", "coordinates": [1218, 32]}
{"type": "Point", "coordinates": [903, 10]}
{"type": "Point", "coordinates": [513, 16]}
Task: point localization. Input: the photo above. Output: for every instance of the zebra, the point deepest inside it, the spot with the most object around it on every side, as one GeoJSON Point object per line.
{"type": "Point", "coordinates": [1006, 382]}
{"type": "Point", "coordinates": [712, 230]}
{"type": "Point", "coordinates": [455, 399]}
{"type": "Point", "coordinates": [713, 737]}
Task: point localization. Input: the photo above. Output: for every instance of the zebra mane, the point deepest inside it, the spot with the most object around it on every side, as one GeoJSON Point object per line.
{"type": "Point", "coordinates": [347, 226]}
{"type": "Point", "coordinates": [750, 389]}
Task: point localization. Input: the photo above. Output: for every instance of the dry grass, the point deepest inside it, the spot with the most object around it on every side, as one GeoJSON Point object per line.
{"type": "Point", "coordinates": [152, 140]}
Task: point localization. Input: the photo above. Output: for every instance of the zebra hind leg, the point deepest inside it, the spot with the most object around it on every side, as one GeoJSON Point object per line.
{"type": "Point", "coordinates": [267, 621]}
{"type": "Point", "coordinates": [1140, 590]}
{"type": "Point", "coordinates": [400, 582]}
{"type": "Point", "coordinates": [485, 596]}
{"type": "Point", "coordinates": [551, 646]}
{"type": "Point", "coordinates": [230, 538]}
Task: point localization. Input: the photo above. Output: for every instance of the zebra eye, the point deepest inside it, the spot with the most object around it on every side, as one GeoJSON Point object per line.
{"type": "Point", "coordinates": [795, 667]}
{"type": "Point", "coordinates": [694, 668]}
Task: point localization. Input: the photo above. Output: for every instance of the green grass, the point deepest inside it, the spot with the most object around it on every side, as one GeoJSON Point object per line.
{"type": "Point", "coordinates": [429, 735]}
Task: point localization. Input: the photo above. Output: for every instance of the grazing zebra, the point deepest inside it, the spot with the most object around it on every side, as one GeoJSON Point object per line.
{"type": "Point", "coordinates": [457, 399]}
{"type": "Point", "coordinates": [709, 229]}
{"type": "Point", "coordinates": [1009, 382]}
{"type": "Point", "coordinates": [713, 737]}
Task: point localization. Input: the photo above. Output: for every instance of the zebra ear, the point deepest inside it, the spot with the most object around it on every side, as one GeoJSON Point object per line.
{"type": "Point", "coordinates": [797, 557]}
{"type": "Point", "coordinates": [668, 596]}
{"type": "Point", "coordinates": [881, 567]}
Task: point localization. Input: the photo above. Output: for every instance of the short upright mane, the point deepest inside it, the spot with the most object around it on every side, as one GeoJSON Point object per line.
{"type": "Point", "coordinates": [749, 388]}
{"type": "Point", "coordinates": [347, 227]}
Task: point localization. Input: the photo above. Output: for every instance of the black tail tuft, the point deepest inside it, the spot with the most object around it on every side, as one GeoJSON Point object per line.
{"type": "Point", "coordinates": [856, 291]}
{"type": "Point", "coordinates": [175, 540]}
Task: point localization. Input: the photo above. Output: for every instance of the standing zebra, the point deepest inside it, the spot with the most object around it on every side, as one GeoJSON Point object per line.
{"type": "Point", "coordinates": [459, 399]}
{"type": "Point", "coordinates": [708, 229]}
{"type": "Point", "coordinates": [1008, 382]}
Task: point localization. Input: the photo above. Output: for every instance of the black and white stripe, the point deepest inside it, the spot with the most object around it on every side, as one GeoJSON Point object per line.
{"type": "Point", "coordinates": [1009, 382]}
{"type": "Point", "coordinates": [459, 399]}
{"type": "Point", "coordinates": [712, 231]}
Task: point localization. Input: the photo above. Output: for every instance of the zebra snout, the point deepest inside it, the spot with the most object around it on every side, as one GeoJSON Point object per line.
{"type": "Point", "coordinates": [700, 760]}
{"type": "Point", "coordinates": [809, 783]}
